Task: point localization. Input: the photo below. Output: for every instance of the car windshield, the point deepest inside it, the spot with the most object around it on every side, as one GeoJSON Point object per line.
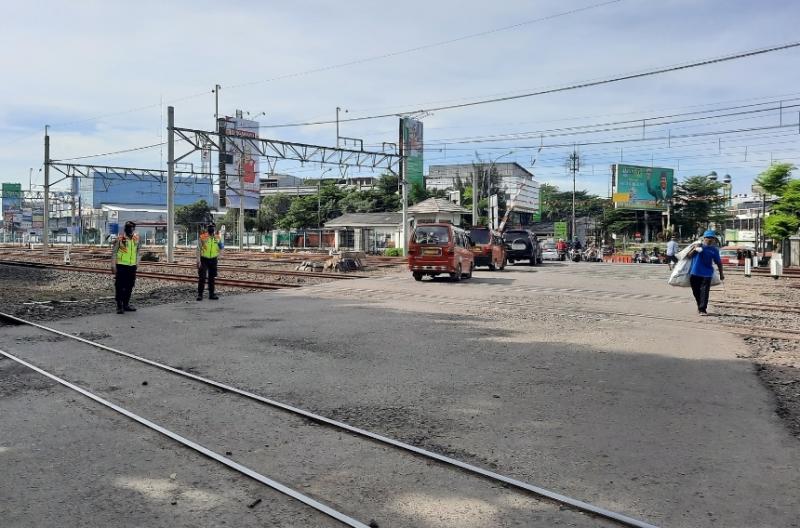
{"type": "Point", "coordinates": [432, 235]}
{"type": "Point", "coordinates": [480, 236]}
{"type": "Point", "coordinates": [510, 236]}
{"type": "Point", "coordinates": [728, 253]}
{"type": "Point", "coordinates": [549, 245]}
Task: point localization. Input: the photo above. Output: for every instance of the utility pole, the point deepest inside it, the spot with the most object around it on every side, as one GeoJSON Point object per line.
{"type": "Point", "coordinates": [337, 126]}
{"type": "Point", "coordinates": [46, 226]}
{"type": "Point", "coordinates": [216, 90]}
{"type": "Point", "coordinates": [474, 198]}
{"type": "Point", "coordinates": [241, 203]}
{"type": "Point", "coordinates": [574, 167]}
{"type": "Point", "coordinates": [170, 184]}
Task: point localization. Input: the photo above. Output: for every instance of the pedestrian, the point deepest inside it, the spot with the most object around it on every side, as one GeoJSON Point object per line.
{"type": "Point", "coordinates": [672, 250]}
{"type": "Point", "coordinates": [703, 257]}
{"type": "Point", "coordinates": [208, 250]}
{"type": "Point", "coordinates": [124, 258]}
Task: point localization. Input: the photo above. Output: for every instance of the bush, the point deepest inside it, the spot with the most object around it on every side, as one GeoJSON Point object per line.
{"type": "Point", "coordinates": [393, 252]}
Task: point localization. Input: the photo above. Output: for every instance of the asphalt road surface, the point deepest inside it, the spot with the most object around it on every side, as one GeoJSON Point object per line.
{"type": "Point", "coordinates": [598, 382]}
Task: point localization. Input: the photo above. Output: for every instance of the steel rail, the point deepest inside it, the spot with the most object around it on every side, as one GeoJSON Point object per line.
{"type": "Point", "coordinates": [244, 470]}
{"type": "Point", "coordinates": [778, 333]}
{"type": "Point", "coordinates": [536, 490]}
{"type": "Point", "coordinates": [235, 283]}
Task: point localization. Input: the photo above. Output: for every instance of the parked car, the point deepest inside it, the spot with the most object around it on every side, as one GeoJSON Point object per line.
{"type": "Point", "coordinates": [549, 251]}
{"type": "Point", "coordinates": [521, 244]}
{"type": "Point", "coordinates": [440, 248]}
{"type": "Point", "coordinates": [489, 249]}
{"type": "Point", "coordinates": [735, 255]}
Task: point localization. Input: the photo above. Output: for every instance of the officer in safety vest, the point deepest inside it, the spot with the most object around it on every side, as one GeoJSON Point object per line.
{"type": "Point", "coordinates": [208, 249]}
{"type": "Point", "coordinates": [124, 258]}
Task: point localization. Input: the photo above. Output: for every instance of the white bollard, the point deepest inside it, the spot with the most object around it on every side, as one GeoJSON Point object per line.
{"type": "Point", "coordinates": [775, 268]}
{"type": "Point", "coordinates": [748, 267]}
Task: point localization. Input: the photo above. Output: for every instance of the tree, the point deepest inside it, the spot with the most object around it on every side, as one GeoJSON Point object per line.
{"type": "Point", "coordinates": [190, 216]}
{"type": "Point", "coordinates": [699, 201]}
{"type": "Point", "coordinates": [775, 179]}
{"type": "Point", "coordinates": [785, 218]}
{"type": "Point", "coordinates": [272, 209]}
{"type": "Point", "coordinates": [781, 225]}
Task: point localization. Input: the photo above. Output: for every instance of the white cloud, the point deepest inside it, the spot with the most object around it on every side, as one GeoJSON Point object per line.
{"type": "Point", "coordinates": [87, 59]}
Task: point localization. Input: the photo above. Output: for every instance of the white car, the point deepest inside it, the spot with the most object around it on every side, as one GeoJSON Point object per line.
{"type": "Point", "coordinates": [549, 251]}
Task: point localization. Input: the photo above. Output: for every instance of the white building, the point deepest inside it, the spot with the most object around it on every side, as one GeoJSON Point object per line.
{"type": "Point", "coordinates": [517, 183]}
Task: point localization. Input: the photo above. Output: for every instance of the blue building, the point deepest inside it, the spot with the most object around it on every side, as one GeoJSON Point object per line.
{"type": "Point", "coordinates": [105, 188]}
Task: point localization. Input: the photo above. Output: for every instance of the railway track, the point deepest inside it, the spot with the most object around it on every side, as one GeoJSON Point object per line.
{"type": "Point", "coordinates": [382, 295]}
{"type": "Point", "coordinates": [402, 447]}
{"type": "Point", "coordinates": [234, 283]}
{"type": "Point", "coordinates": [238, 268]}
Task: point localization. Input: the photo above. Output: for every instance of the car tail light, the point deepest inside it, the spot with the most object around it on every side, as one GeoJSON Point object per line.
{"type": "Point", "coordinates": [412, 251]}
{"type": "Point", "coordinates": [451, 251]}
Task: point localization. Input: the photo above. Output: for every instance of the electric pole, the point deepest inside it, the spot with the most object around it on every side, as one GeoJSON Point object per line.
{"type": "Point", "coordinates": [46, 226]}
{"type": "Point", "coordinates": [574, 167]}
{"type": "Point", "coordinates": [170, 184]}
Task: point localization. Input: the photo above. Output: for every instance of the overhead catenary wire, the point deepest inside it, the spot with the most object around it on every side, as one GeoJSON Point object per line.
{"type": "Point", "coordinates": [575, 86]}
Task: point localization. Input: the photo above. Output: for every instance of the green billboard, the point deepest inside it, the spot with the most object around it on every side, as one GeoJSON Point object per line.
{"type": "Point", "coordinates": [411, 139]}
{"type": "Point", "coordinates": [560, 230]}
{"type": "Point", "coordinates": [644, 188]}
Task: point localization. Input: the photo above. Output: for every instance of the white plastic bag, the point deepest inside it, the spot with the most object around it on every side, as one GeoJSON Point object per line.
{"type": "Point", "coordinates": [680, 273]}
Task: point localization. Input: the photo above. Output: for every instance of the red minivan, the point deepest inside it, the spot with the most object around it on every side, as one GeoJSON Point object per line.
{"type": "Point", "coordinates": [440, 248]}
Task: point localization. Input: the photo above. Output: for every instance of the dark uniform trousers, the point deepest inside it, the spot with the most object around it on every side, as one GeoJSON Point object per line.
{"type": "Point", "coordinates": [123, 284]}
{"type": "Point", "coordinates": [208, 267]}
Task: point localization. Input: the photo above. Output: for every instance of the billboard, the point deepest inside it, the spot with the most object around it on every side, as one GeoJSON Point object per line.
{"type": "Point", "coordinates": [411, 139]}
{"type": "Point", "coordinates": [11, 200]}
{"type": "Point", "coordinates": [560, 230]}
{"type": "Point", "coordinates": [239, 162]}
{"type": "Point", "coordinates": [644, 188]}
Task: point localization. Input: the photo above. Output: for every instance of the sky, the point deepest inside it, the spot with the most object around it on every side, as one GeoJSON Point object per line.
{"type": "Point", "coordinates": [102, 73]}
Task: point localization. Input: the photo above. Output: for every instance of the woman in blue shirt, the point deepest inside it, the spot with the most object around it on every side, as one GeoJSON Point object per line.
{"type": "Point", "coordinates": [703, 259]}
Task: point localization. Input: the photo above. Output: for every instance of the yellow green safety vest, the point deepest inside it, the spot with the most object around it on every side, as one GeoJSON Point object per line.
{"type": "Point", "coordinates": [209, 247]}
{"type": "Point", "coordinates": [126, 251]}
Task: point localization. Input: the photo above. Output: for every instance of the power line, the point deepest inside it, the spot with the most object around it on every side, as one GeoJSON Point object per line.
{"type": "Point", "coordinates": [426, 46]}
{"type": "Point", "coordinates": [134, 149]}
{"type": "Point", "coordinates": [580, 85]}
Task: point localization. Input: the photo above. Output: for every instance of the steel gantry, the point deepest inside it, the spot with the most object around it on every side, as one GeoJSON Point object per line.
{"type": "Point", "coordinates": [302, 152]}
{"type": "Point", "coordinates": [204, 141]}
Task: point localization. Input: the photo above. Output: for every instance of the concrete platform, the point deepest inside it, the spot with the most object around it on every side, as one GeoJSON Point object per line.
{"type": "Point", "coordinates": [596, 381]}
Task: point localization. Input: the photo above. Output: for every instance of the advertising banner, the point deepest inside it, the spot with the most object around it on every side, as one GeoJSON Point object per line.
{"type": "Point", "coordinates": [411, 137]}
{"type": "Point", "coordinates": [643, 188]}
{"type": "Point", "coordinates": [241, 163]}
{"type": "Point", "coordinates": [11, 201]}
{"type": "Point", "coordinates": [560, 230]}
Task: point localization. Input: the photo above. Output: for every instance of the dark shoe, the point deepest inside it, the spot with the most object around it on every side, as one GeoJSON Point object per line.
{"type": "Point", "coordinates": [199, 297]}
{"type": "Point", "coordinates": [129, 308]}
{"type": "Point", "coordinates": [213, 297]}
{"type": "Point", "coordinates": [120, 310]}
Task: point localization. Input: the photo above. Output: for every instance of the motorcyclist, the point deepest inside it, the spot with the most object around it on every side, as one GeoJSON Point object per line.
{"type": "Point", "coordinates": [561, 248]}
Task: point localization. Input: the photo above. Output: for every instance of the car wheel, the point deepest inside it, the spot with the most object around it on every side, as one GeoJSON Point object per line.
{"type": "Point", "coordinates": [417, 276]}
{"type": "Point", "coordinates": [457, 275]}
{"type": "Point", "coordinates": [532, 261]}
{"type": "Point", "coordinates": [492, 267]}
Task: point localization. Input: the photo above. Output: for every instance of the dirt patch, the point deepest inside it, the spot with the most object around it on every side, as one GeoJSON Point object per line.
{"type": "Point", "coordinates": [16, 379]}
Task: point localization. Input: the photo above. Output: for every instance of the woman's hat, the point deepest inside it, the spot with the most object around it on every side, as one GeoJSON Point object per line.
{"type": "Point", "coordinates": [710, 234]}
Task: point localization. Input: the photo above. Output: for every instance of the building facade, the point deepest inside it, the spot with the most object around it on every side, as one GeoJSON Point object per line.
{"type": "Point", "coordinates": [517, 183]}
